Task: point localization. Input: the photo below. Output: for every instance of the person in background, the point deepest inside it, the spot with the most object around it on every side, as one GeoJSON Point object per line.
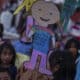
{"type": "Point", "coordinates": [74, 24]}
{"type": "Point", "coordinates": [7, 59]}
{"type": "Point", "coordinates": [77, 76]}
{"type": "Point", "coordinates": [62, 65]}
{"type": "Point", "coordinates": [3, 4]}
{"type": "Point", "coordinates": [7, 19]}
{"type": "Point", "coordinates": [73, 45]}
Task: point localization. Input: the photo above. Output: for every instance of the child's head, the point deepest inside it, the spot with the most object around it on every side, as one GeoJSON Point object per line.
{"type": "Point", "coordinates": [76, 16]}
{"type": "Point", "coordinates": [73, 45]}
{"type": "Point", "coordinates": [62, 65]}
{"type": "Point", "coordinates": [1, 30]}
{"type": "Point", "coordinates": [7, 54]}
{"type": "Point", "coordinates": [5, 74]}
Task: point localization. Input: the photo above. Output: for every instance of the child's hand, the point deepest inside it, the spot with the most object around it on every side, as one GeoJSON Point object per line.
{"type": "Point", "coordinates": [26, 75]}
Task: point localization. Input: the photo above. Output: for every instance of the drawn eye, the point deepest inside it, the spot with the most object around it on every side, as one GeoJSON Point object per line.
{"type": "Point", "coordinates": [51, 13]}
{"type": "Point", "coordinates": [39, 9]}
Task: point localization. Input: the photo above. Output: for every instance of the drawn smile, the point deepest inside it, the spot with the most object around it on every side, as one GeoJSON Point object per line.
{"type": "Point", "coordinates": [46, 20]}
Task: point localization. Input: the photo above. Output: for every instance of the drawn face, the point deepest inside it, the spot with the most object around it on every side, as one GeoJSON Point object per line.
{"type": "Point", "coordinates": [45, 13]}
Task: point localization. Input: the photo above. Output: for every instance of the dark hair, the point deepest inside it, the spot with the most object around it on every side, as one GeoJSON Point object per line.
{"type": "Point", "coordinates": [76, 45]}
{"type": "Point", "coordinates": [1, 30]}
{"type": "Point", "coordinates": [13, 1]}
{"type": "Point", "coordinates": [67, 65]}
{"type": "Point", "coordinates": [70, 42]}
{"type": "Point", "coordinates": [53, 26]}
{"type": "Point", "coordinates": [77, 9]}
{"type": "Point", "coordinates": [9, 46]}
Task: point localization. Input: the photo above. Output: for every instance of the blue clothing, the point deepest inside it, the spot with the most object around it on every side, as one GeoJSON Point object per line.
{"type": "Point", "coordinates": [13, 71]}
{"type": "Point", "coordinates": [41, 41]}
{"type": "Point", "coordinates": [77, 77]}
{"type": "Point", "coordinates": [22, 47]}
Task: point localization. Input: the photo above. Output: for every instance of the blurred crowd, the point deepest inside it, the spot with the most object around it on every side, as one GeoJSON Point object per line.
{"type": "Point", "coordinates": [16, 48]}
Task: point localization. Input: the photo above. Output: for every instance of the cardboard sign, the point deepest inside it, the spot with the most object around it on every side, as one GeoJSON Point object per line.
{"type": "Point", "coordinates": [45, 14]}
